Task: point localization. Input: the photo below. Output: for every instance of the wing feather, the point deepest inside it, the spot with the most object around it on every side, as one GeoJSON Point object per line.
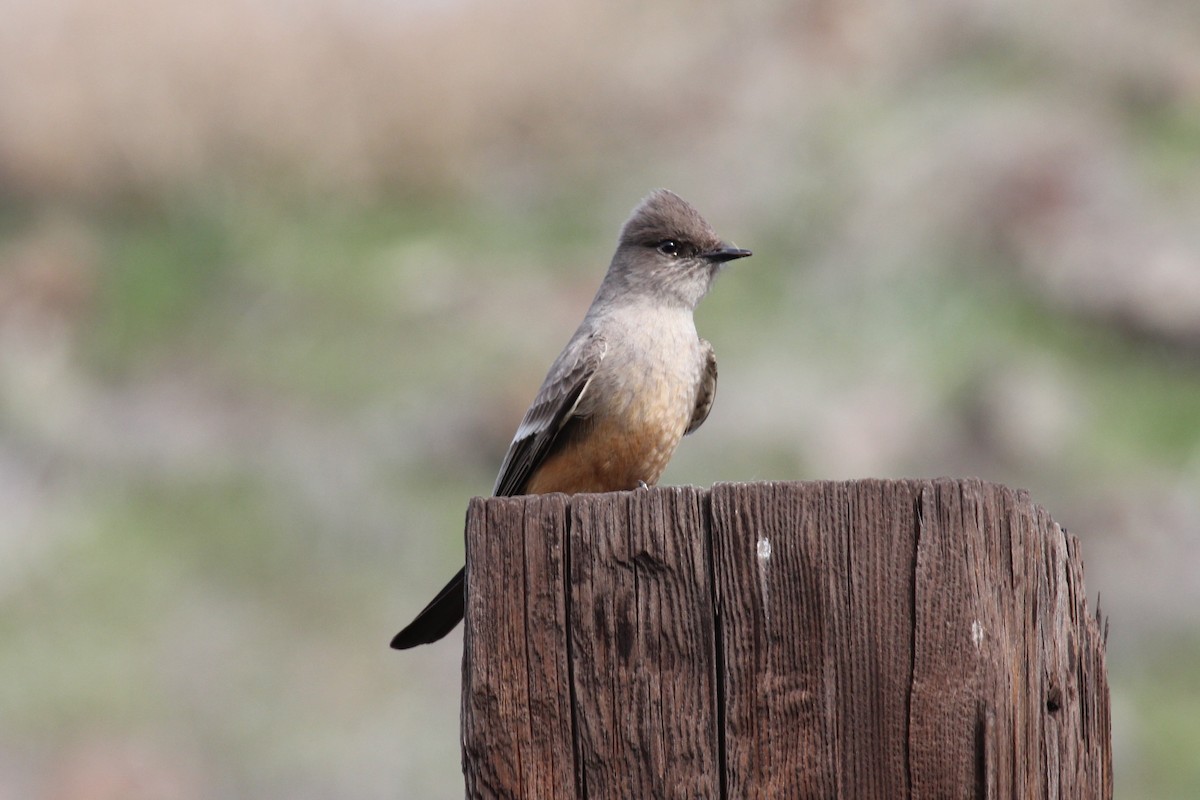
{"type": "Point", "coordinates": [555, 404]}
{"type": "Point", "coordinates": [707, 392]}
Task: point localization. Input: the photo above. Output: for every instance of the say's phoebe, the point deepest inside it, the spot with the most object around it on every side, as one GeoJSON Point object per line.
{"type": "Point", "coordinates": [633, 380]}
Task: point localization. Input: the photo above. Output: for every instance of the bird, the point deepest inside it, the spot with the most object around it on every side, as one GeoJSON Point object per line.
{"type": "Point", "coordinates": [632, 381]}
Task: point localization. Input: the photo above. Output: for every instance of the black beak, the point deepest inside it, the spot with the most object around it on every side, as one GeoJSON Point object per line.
{"type": "Point", "coordinates": [725, 254]}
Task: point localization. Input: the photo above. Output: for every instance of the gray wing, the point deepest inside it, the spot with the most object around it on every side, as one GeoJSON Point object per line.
{"type": "Point", "coordinates": [707, 391]}
{"type": "Point", "coordinates": [554, 405]}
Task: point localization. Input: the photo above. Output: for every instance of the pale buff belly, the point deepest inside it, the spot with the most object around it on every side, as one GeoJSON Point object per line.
{"type": "Point", "coordinates": [631, 442]}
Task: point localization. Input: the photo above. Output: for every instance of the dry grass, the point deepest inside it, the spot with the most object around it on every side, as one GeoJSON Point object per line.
{"type": "Point", "coordinates": [229, 453]}
{"type": "Point", "coordinates": [144, 96]}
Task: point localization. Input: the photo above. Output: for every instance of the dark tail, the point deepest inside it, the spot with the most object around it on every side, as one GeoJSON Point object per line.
{"type": "Point", "coordinates": [438, 618]}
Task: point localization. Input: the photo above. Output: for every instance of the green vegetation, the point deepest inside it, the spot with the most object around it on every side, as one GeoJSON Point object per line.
{"type": "Point", "coordinates": [274, 294]}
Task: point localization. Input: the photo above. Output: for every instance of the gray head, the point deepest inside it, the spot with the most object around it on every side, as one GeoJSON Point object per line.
{"type": "Point", "coordinates": [667, 254]}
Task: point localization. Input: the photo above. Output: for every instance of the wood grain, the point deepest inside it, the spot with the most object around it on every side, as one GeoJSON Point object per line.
{"type": "Point", "coordinates": [516, 722]}
{"type": "Point", "coordinates": [642, 641]}
{"type": "Point", "coordinates": [862, 639]}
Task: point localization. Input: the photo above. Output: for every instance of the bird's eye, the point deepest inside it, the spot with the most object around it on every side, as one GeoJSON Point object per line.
{"type": "Point", "coordinates": [669, 247]}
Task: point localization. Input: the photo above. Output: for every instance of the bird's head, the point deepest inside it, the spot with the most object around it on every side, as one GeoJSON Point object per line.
{"type": "Point", "coordinates": [667, 253]}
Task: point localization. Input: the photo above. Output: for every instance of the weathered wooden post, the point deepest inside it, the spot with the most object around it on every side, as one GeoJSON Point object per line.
{"type": "Point", "coordinates": [866, 639]}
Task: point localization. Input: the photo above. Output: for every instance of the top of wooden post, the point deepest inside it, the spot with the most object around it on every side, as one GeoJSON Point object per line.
{"type": "Point", "coordinates": [863, 639]}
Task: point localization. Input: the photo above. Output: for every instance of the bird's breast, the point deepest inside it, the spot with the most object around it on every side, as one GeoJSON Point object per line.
{"type": "Point", "coordinates": [633, 413]}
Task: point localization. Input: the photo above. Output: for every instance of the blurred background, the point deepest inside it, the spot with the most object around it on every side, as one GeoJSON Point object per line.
{"type": "Point", "coordinates": [277, 281]}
